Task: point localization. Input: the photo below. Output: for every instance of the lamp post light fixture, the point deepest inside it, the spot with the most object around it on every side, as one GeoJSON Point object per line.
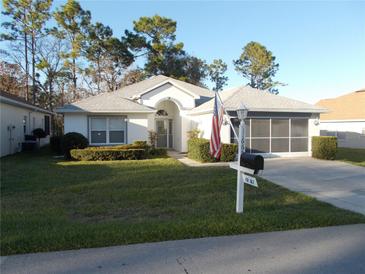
{"type": "Point", "coordinates": [242, 112]}
{"type": "Point", "coordinates": [242, 115]}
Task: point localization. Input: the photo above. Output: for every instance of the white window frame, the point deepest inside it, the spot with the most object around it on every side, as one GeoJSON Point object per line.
{"type": "Point", "coordinates": [107, 143]}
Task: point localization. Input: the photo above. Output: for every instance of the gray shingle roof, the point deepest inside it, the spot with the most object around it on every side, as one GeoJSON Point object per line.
{"type": "Point", "coordinates": [140, 87]}
{"type": "Point", "coordinates": [105, 102]}
{"type": "Point", "coordinates": [12, 99]}
{"type": "Point", "coordinates": [120, 100]}
{"type": "Point", "coordinates": [257, 100]}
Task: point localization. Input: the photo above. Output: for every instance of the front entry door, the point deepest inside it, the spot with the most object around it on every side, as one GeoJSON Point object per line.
{"type": "Point", "coordinates": [164, 133]}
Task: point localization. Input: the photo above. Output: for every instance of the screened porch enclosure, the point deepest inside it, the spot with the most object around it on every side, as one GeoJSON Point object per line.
{"type": "Point", "coordinates": [274, 135]}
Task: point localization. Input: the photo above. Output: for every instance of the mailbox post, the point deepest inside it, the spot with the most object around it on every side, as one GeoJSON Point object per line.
{"type": "Point", "coordinates": [242, 115]}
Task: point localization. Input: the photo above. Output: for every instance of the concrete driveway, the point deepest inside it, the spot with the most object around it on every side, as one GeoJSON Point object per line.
{"type": "Point", "coordinates": [338, 183]}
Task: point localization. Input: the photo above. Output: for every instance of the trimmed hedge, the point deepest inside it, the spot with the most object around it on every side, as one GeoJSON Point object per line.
{"type": "Point", "coordinates": [91, 154]}
{"type": "Point", "coordinates": [229, 152]}
{"type": "Point", "coordinates": [136, 151]}
{"type": "Point", "coordinates": [198, 149]}
{"type": "Point", "coordinates": [157, 151]}
{"type": "Point", "coordinates": [324, 147]}
{"type": "Point", "coordinates": [135, 145]}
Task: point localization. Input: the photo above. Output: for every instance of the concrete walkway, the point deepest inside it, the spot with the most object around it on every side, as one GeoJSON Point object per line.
{"type": "Point", "coordinates": [182, 157]}
{"type": "Point", "coordinates": [332, 250]}
{"type": "Point", "coordinates": [335, 182]}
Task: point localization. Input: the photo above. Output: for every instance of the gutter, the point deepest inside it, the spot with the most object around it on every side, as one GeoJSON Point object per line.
{"type": "Point", "coordinates": [265, 110]}
{"type": "Point", "coordinates": [103, 111]}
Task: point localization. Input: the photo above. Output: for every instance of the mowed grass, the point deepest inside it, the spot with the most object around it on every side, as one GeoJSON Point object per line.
{"type": "Point", "coordinates": [49, 204]}
{"type": "Point", "coordinates": [355, 156]}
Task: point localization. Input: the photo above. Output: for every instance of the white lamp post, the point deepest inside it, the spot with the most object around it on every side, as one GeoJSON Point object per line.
{"type": "Point", "coordinates": [242, 115]}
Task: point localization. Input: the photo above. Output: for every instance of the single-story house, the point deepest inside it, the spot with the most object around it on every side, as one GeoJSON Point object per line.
{"type": "Point", "coordinates": [20, 118]}
{"type": "Point", "coordinates": [171, 108]}
{"type": "Point", "coordinates": [345, 119]}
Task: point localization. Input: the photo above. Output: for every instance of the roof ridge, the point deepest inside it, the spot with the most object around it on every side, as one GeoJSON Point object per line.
{"type": "Point", "coordinates": [190, 84]}
{"type": "Point", "coordinates": [131, 100]}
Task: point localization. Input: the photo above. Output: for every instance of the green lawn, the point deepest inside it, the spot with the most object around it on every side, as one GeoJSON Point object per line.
{"type": "Point", "coordinates": [49, 204]}
{"type": "Point", "coordinates": [355, 156]}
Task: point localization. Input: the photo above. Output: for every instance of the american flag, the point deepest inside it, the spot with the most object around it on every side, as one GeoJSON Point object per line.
{"type": "Point", "coordinates": [215, 138]}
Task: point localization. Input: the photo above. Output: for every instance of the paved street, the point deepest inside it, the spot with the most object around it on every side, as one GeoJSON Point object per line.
{"type": "Point", "coordinates": [335, 182]}
{"type": "Point", "coordinates": [332, 250]}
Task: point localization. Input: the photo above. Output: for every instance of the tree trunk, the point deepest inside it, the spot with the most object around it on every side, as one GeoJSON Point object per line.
{"type": "Point", "coordinates": [99, 76]}
{"type": "Point", "coordinates": [62, 94]}
{"type": "Point", "coordinates": [33, 68]}
{"type": "Point", "coordinates": [26, 66]}
{"type": "Point", "coordinates": [74, 78]}
{"type": "Point", "coordinates": [50, 92]}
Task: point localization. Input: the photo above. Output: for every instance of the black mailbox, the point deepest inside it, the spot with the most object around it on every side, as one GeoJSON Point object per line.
{"type": "Point", "coordinates": [252, 161]}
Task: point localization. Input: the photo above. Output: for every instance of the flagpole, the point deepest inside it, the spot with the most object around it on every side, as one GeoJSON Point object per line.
{"type": "Point", "coordinates": [229, 120]}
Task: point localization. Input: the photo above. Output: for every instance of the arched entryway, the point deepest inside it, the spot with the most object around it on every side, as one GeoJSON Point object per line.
{"type": "Point", "coordinates": [167, 124]}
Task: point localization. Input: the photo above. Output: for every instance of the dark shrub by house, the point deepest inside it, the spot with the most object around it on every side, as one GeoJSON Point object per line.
{"type": "Point", "coordinates": [56, 144]}
{"type": "Point", "coordinates": [198, 149]}
{"type": "Point", "coordinates": [324, 147]}
{"type": "Point", "coordinates": [104, 154]}
{"type": "Point", "coordinates": [73, 140]}
{"type": "Point", "coordinates": [39, 133]}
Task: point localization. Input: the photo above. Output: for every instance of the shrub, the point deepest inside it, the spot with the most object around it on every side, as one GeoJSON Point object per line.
{"type": "Point", "coordinates": [198, 149]}
{"type": "Point", "coordinates": [229, 152]}
{"type": "Point", "coordinates": [157, 151]}
{"type": "Point", "coordinates": [135, 145]}
{"type": "Point", "coordinates": [30, 138]}
{"type": "Point", "coordinates": [194, 133]}
{"type": "Point", "coordinates": [324, 147]}
{"type": "Point", "coordinates": [152, 137]}
{"type": "Point", "coordinates": [140, 144]}
{"type": "Point", "coordinates": [56, 144]}
{"type": "Point", "coordinates": [104, 154]}
{"type": "Point", "coordinates": [73, 140]}
{"type": "Point", "coordinates": [39, 133]}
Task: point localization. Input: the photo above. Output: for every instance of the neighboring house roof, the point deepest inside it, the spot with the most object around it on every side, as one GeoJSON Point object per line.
{"type": "Point", "coordinates": [106, 102]}
{"type": "Point", "coordinates": [140, 88]}
{"type": "Point", "coordinates": [350, 106]}
{"type": "Point", "coordinates": [14, 100]}
{"type": "Point", "coordinates": [257, 100]}
{"type": "Point", "coordinates": [121, 99]}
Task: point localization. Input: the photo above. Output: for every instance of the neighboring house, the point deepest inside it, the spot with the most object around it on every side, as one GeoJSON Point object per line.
{"type": "Point", "coordinates": [172, 108]}
{"type": "Point", "coordinates": [20, 118]}
{"type": "Point", "coordinates": [345, 119]}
